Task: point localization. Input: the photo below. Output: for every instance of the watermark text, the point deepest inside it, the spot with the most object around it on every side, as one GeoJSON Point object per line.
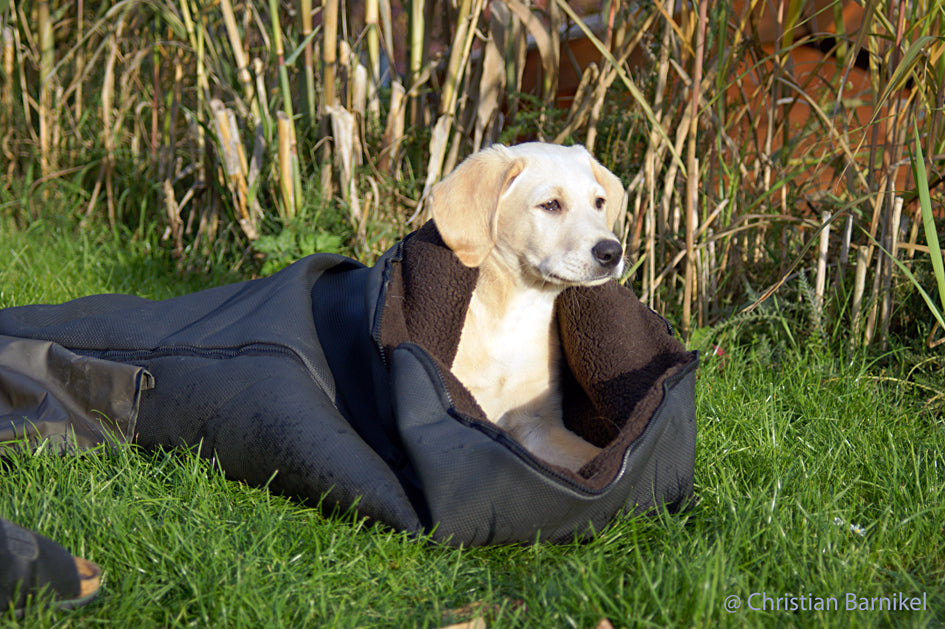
{"type": "Point", "coordinates": [848, 601]}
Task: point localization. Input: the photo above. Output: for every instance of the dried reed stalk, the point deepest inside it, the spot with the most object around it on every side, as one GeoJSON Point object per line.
{"type": "Point", "coordinates": [108, 131]}
{"type": "Point", "coordinates": [516, 52]}
{"type": "Point", "coordinates": [469, 12]}
{"type": "Point", "coordinates": [820, 279]}
{"type": "Point", "coordinates": [348, 150]}
{"type": "Point", "coordinates": [79, 58]}
{"type": "Point", "coordinates": [19, 21]}
{"type": "Point", "coordinates": [259, 69]}
{"type": "Point", "coordinates": [285, 159]}
{"type": "Point", "coordinates": [895, 141]}
{"type": "Point", "coordinates": [234, 165]}
{"type": "Point", "coordinates": [651, 159]}
{"type": "Point", "coordinates": [492, 83]}
{"type": "Point", "coordinates": [690, 290]}
{"type": "Point", "coordinates": [416, 47]}
{"type": "Point", "coordinates": [548, 53]}
{"type": "Point", "coordinates": [549, 82]}
{"type": "Point", "coordinates": [357, 79]}
{"type": "Point", "coordinates": [438, 140]}
{"type": "Point", "coordinates": [372, 14]}
{"type": "Point", "coordinates": [608, 77]}
{"type": "Point", "coordinates": [47, 62]}
{"type": "Point", "coordinates": [329, 50]}
{"type": "Point", "coordinates": [387, 28]}
{"type": "Point", "coordinates": [242, 64]}
{"type": "Point", "coordinates": [587, 107]}
{"type": "Point", "coordinates": [156, 93]}
{"type": "Point", "coordinates": [459, 55]}
{"type": "Point", "coordinates": [294, 166]}
{"type": "Point", "coordinates": [308, 61]}
{"type": "Point", "coordinates": [394, 131]}
{"type": "Point", "coordinates": [625, 79]}
{"type": "Point", "coordinates": [202, 156]}
{"type": "Point", "coordinates": [172, 208]}
{"type": "Point", "coordinates": [6, 97]}
{"type": "Point", "coordinates": [329, 65]}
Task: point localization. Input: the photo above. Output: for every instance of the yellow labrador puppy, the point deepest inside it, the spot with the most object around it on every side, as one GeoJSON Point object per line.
{"type": "Point", "coordinates": [535, 218]}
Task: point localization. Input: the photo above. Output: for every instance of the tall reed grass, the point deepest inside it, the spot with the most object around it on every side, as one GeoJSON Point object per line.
{"type": "Point", "coordinates": [750, 162]}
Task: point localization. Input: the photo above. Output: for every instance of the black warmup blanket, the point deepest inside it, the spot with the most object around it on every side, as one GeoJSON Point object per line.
{"type": "Point", "coordinates": [330, 381]}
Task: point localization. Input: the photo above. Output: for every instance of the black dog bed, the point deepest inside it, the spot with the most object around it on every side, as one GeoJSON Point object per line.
{"type": "Point", "coordinates": [330, 382]}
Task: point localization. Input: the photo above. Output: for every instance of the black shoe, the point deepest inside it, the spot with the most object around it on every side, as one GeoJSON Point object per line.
{"type": "Point", "coordinates": [31, 564]}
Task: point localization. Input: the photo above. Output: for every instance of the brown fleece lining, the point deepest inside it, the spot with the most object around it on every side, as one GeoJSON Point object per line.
{"type": "Point", "coordinates": [618, 351]}
{"type": "Point", "coordinates": [426, 304]}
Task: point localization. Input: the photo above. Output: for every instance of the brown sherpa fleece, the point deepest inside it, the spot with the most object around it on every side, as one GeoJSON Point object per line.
{"type": "Point", "coordinates": [617, 351]}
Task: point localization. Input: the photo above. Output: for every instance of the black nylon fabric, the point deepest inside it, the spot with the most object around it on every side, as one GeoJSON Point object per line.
{"type": "Point", "coordinates": [237, 370]}
{"type": "Point", "coordinates": [284, 381]}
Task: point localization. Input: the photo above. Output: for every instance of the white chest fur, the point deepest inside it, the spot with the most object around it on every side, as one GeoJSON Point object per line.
{"type": "Point", "coordinates": [509, 359]}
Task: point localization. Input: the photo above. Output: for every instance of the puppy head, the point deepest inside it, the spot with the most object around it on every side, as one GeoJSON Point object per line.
{"type": "Point", "coordinates": [545, 211]}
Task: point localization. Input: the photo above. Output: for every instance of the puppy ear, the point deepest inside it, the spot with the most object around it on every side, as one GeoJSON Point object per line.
{"type": "Point", "coordinates": [465, 205]}
{"type": "Point", "coordinates": [616, 195]}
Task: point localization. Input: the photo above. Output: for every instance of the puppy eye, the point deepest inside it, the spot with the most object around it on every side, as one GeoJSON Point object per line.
{"type": "Point", "coordinates": [551, 206]}
{"type": "Point", "coordinates": [600, 202]}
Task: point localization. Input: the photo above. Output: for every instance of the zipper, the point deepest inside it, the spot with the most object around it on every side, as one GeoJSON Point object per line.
{"type": "Point", "coordinates": [133, 356]}
{"type": "Point", "coordinates": [128, 355]}
{"type": "Point", "coordinates": [379, 308]}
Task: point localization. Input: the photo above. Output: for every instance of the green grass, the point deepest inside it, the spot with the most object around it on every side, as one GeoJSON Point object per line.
{"type": "Point", "coordinates": [53, 261]}
{"type": "Point", "coordinates": [816, 476]}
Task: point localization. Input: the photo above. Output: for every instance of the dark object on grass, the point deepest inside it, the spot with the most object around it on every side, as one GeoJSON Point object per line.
{"type": "Point", "coordinates": [34, 566]}
{"type": "Point", "coordinates": [330, 382]}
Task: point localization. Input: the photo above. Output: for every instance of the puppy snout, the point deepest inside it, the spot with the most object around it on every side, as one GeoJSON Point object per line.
{"type": "Point", "coordinates": [607, 253]}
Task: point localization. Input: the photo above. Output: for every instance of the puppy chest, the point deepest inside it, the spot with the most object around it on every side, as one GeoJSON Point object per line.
{"type": "Point", "coordinates": [508, 361]}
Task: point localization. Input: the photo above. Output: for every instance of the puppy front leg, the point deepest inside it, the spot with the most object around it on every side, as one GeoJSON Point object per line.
{"type": "Point", "coordinates": [550, 441]}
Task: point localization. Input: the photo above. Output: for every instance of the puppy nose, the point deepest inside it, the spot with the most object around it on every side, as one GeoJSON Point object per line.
{"type": "Point", "coordinates": [607, 253]}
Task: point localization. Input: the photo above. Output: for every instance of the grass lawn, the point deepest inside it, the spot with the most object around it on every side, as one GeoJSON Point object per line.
{"type": "Point", "coordinates": [821, 482]}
